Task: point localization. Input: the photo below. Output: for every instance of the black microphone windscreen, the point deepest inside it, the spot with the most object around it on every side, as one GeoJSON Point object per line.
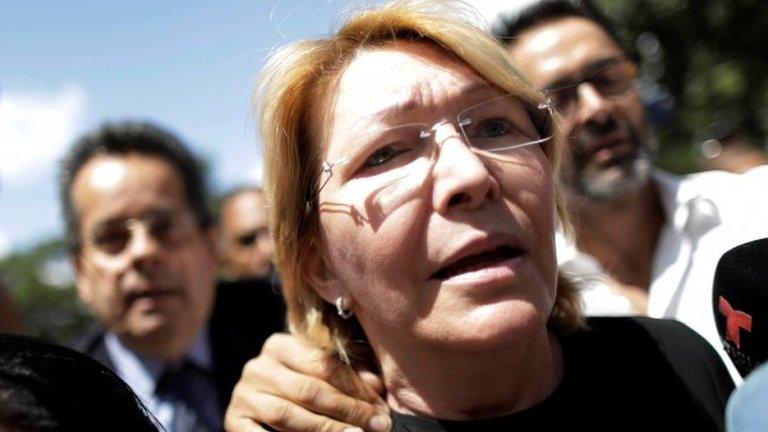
{"type": "Point", "coordinates": [740, 304]}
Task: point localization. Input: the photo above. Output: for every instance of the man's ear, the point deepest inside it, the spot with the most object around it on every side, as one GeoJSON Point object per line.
{"type": "Point", "coordinates": [320, 276]}
{"type": "Point", "coordinates": [82, 282]}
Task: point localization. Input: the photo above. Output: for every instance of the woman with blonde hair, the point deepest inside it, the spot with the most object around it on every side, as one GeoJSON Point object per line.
{"type": "Point", "coordinates": [411, 179]}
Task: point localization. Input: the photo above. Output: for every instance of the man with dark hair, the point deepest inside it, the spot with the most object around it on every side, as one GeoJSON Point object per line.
{"type": "Point", "coordinates": [246, 246]}
{"type": "Point", "coordinates": [143, 243]}
{"type": "Point", "coordinates": [658, 236]}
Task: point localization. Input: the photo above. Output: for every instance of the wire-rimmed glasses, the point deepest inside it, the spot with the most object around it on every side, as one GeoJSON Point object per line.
{"type": "Point", "coordinates": [390, 157]}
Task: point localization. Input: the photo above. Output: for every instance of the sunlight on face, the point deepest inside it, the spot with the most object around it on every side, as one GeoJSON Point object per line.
{"type": "Point", "coordinates": [460, 255]}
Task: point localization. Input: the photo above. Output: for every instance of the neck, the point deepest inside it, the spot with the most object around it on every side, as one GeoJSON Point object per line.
{"type": "Point", "coordinates": [621, 233]}
{"type": "Point", "coordinates": [453, 384]}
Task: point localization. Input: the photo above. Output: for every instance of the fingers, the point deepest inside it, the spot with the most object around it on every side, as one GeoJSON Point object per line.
{"type": "Point", "coordinates": [322, 398]}
{"type": "Point", "coordinates": [282, 415]}
{"type": "Point", "coordinates": [304, 359]}
{"type": "Point", "coordinates": [294, 387]}
{"type": "Point", "coordinates": [372, 381]}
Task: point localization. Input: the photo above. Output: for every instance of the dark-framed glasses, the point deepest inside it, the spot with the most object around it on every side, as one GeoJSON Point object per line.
{"type": "Point", "coordinates": [395, 159]}
{"type": "Point", "coordinates": [610, 77]}
{"type": "Point", "coordinates": [168, 228]}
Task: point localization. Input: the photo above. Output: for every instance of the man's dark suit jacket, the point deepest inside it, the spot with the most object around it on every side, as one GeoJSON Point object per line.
{"type": "Point", "coordinates": [244, 315]}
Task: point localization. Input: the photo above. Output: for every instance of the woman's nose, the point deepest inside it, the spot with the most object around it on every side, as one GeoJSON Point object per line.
{"type": "Point", "coordinates": [462, 181]}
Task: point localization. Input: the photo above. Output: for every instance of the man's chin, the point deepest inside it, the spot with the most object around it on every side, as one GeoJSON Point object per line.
{"type": "Point", "coordinates": [612, 183]}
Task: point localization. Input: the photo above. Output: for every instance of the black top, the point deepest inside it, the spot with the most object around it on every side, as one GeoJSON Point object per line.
{"type": "Point", "coordinates": [620, 374]}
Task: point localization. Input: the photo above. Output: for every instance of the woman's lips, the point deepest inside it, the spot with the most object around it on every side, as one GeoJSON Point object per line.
{"type": "Point", "coordinates": [480, 265]}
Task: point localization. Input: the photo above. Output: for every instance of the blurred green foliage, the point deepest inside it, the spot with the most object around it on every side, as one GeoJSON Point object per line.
{"type": "Point", "coordinates": [713, 61]}
{"type": "Point", "coordinates": [42, 287]}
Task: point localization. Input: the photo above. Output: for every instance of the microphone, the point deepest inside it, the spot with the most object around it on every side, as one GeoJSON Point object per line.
{"type": "Point", "coordinates": [740, 304]}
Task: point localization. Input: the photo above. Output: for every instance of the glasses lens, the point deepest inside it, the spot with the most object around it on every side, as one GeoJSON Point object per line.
{"type": "Point", "coordinates": [501, 124]}
{"type": "Point", "coordinates": [386, 155]}
{"type": "Point", "coordinates": [167, 229]}
{"type": "Point", "coordinates": [111, 240]}
{"type": "Point", "coordinates": [614, 78]}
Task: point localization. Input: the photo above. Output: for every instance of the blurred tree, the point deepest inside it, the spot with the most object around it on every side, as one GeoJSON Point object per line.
{"type": "Point", "coordinates": [41, 283]}
{"type": "Point", "coordinates": [711, 58]}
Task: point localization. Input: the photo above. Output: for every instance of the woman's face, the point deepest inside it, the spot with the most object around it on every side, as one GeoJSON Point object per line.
{"type": "Point", "coordinates": [455, 250]}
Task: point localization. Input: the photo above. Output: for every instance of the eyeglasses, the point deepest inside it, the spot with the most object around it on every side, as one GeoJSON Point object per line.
{"type": "Point", "coordinates": [612, 77]}
{"type": "Point", "coordinates": [170, 229]}
{"type": "Point", "coordinates": [392, 159]}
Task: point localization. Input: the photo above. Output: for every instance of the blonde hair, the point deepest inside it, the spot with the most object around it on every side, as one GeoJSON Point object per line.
{"type": "Point", "coordinates": [301, 75]}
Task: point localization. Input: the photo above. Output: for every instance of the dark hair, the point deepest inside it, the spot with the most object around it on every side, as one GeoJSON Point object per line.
{"type": "Point", "coordinates": [45, 387]}
{"type": "Point", "coordinates": [509, 26]}
{"type": "Point", "coordinates": [123, 138]}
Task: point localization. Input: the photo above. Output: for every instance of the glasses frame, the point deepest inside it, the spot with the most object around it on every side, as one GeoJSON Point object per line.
{"type": "Point", "coordinates": [541, 117]}
{"type": "Point", "coordinates": [183, 223]}
{"type": "Point", "coordinates": [587, 77]}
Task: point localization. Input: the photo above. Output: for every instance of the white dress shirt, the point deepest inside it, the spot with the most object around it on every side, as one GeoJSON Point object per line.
{"type": "Point", "coordinates": [706, 214]}
{"type": "Point", "coordinates": [142, 374]}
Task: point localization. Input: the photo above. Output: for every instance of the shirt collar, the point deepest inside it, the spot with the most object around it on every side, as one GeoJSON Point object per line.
{"type": "Point", "coordinates": [687, 208]}
{"type": "Point", "coordinates": [142, 373]}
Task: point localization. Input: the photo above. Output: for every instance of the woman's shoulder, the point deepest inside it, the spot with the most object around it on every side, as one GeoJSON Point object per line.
{"type": "Point", "coordinates": [661, 358]}
{"type": "Point", "coordinates": [669, 337]}
{"type": "Point", "coordinates": [648, 341]}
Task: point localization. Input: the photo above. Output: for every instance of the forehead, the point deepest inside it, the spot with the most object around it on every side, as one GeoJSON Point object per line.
{"type": "Point", "coordinates": [244, 211]}
{"type": "Point", "coordinates": [560, 48]}
{"type": "Point", "coordinates": [402, 76]}
{"type": "Point", "coordinates": [116, 186]}
{"type": "Point", "coordinates": [401, 72]}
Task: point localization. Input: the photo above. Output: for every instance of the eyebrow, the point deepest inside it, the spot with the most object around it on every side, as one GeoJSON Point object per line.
{"type": "Point", "coordinates": [410, 104]}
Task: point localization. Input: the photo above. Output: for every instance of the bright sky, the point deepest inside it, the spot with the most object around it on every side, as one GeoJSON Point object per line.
{"type": "Point", "coordinates": [65, 67]}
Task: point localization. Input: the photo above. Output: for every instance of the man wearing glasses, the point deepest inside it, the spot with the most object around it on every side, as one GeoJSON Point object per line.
{"type": "Point", "coordinates": [246, 246]}
{"type": "Point", "coordinates": [142, 239]}
{"type": "Point", "coordinates": [657, 236]}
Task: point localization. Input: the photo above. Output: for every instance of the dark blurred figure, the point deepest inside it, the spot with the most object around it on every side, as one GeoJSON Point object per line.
{"type": "Point", "coordinates": [46, 387]}
{"type": "Point", "coordinates": [246, 246]}
{"type": "Point", "coordinates": [726, 149]}
{"type": "Point", "coordinates": [142, 238]}
{"type": "Point", "coordinates": [10, 320]}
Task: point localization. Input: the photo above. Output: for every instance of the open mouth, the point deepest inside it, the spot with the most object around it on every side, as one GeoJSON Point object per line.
{"type": "Point", "coordinates": [478, 261]}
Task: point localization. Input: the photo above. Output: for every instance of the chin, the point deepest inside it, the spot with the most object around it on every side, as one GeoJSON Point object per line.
{"type": "Point", "coordinates": [492, 327]}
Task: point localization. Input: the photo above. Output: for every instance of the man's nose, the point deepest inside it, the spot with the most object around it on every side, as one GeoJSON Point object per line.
{"type": "Point", "coordinates": [591, 105]}
{"type": "Point", "coordinates": [143, 245]}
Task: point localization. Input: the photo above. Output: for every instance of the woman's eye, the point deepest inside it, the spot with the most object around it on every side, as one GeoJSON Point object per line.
{"type": "Point", "coordinates": [384, 155]}
{"type": "Point", "coordinates": [491, 128]}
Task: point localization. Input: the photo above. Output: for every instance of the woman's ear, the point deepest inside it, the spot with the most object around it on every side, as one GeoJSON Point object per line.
{"type": "Point", "coordinates": [321, 277]}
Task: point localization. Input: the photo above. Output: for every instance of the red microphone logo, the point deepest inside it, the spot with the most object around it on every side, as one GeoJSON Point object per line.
{"type": "Point", "coordinates": [735, 320]}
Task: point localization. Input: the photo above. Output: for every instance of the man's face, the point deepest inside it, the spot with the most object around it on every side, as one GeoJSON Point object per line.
{"type": "Point", "coordinates": [608, 140]}
{"type": "Point", "coordinates": [145, 267]}
{"type": "Point", "coordinates": [246, 244]}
